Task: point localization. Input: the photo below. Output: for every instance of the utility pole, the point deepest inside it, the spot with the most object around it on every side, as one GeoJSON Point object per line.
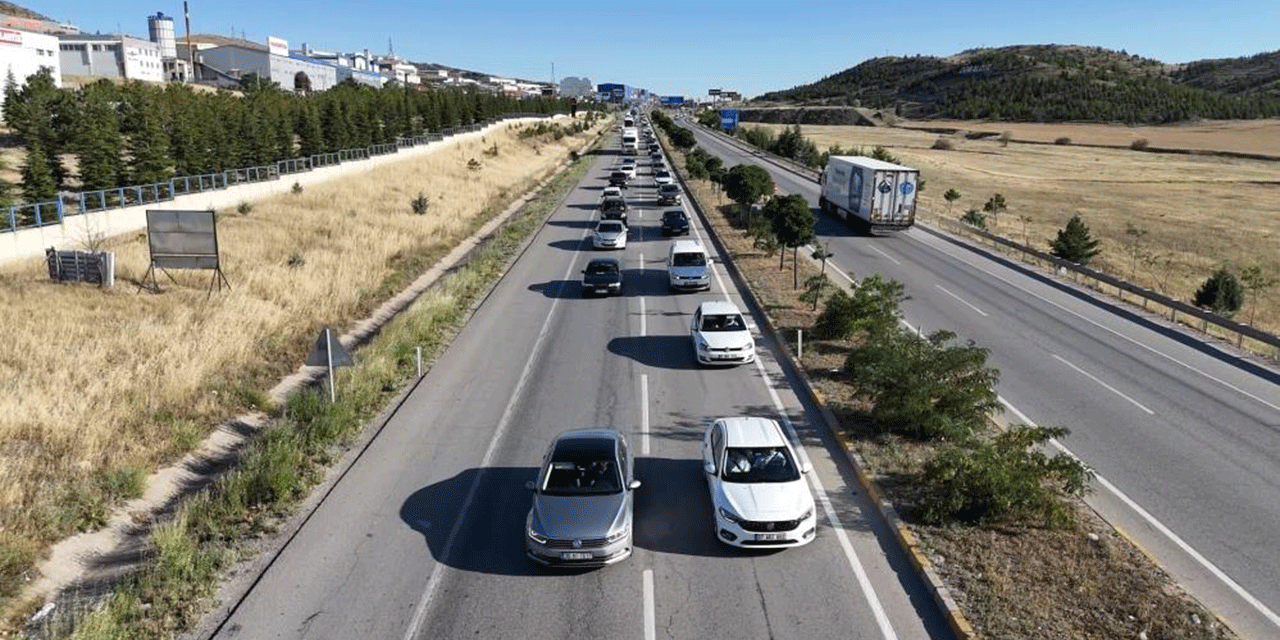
{"type": "Point", "coordinates": [191, 56]}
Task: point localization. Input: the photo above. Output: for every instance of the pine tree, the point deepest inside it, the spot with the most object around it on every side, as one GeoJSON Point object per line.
{"type": "Point", "coordinates": [950, 196]}
{"type": "Point", "coordinates": [310, 134]}
{"type": "Point", "coordinates": [148, 146]}
{"type": "Point", "coordinates": [1221, 293]}
{"type": "Point", "coordinates": [1074, 243]}
{"type": "Point", "coordinates": [337, 132]}
{"type": "Point", "coordinates": [37, 180]}
{"type": "Point", "coordinates": [98, 143]}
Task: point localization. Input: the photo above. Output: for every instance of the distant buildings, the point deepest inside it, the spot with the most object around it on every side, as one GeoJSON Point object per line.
{"type": "Point", "coordinates": [84, 56]}
{"type": "Point", "coordinates": [23, 53]}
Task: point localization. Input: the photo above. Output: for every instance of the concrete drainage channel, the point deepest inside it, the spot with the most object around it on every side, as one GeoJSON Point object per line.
{"type": "Point", "coordinates": [82, 568]}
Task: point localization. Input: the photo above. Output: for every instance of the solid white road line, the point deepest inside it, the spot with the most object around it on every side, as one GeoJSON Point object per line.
{"type": "Point", "coordinates": [868, 590]}
{"type": "Point", "coordinates": [877, 250]}
{"type": "Point", "coordinates": [644, 413]}
{"type": "Point", "coordinates": [650, 619]}
{"type": "Point", "coordinates": [965, 302]}
{"type": "Point", "coordinates": [1108, 387]}
{"type": "Point", "coordinates": [1112, 331]}
{"type": "Point", "coordinates": [643, 314]}
{"type": "Point", "coordinates": [440, 567]}
{"type": "Point", "coordinates": [1159, 526]}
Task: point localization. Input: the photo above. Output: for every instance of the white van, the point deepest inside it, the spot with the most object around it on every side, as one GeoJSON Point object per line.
{"type": "Point", "coordinates": [630, 141]}
{"type": "Point", "coordinates": [688, 266]}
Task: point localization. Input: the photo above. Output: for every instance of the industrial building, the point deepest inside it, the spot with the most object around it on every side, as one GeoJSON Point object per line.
{"type": "Point", "coordinates": [293, 71]}
{"type": "Point", "coordinates": [23, 53]}
{"type": "Point", "coordinates": [160, 29]}
{"type": "Point", "coordinates": [122, 57]}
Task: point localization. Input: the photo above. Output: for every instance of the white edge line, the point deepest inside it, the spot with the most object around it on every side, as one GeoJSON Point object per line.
{"type": "Point", "coordinates": [438, 570]}
{"type": "Point", "coordinates": [1159, 526]}
{"type": "Point", "coordinates": [1095, 323]}
{"type": "Point", "coordinates": [962, 300]}
{"type": "Point", "coordinates": [1097, 380]}
{"type": "Point", "coordinates": [868, 590]}
{"type": "Point", "coordinates": [650, 620]}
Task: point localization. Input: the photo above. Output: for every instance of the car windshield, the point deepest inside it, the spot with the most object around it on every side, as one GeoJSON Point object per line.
{"type": "Point", "coordinates": [689, 260]}
{"type": "Point", "coordinates": [673, 216]}
{"type": "Point", "coordinates": [725, 322]}
{"type": "Point", "coordinates": [576, 475]}
{"type": "Point", "coordinates": [662, 173]}
{"type": "Point", "coordinates": [602, 268]}
{"type": "Point", "coordinates": [610, 227]}
{"type": "Point", "coordinates": [667, 188]}
{"type": "Point", "coordinates": [759, 464]}
{"type": "Point", "coordinates": [614, 203]}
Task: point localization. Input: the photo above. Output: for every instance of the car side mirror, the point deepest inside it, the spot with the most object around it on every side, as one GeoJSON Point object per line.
{"type": "Point", "coordinates": [635, 484]}
{"type": "Point", "coordinates": [530, 485]}
{"type": "Point", "coordinates": [709, 467]}
{"type": "Point", "coordinates": [805, 467]}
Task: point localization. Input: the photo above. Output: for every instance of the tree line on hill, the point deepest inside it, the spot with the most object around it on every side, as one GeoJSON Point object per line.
{"type": "Point", "coordinates": [135, 133]}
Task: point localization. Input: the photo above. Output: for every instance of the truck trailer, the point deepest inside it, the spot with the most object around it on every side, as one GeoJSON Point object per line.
{"type": "Point", "coordinates": [630, 141]}
{"type": "Point", "coordinates": [869, 194]}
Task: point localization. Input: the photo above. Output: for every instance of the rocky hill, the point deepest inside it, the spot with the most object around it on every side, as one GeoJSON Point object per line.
{"type": "Point", "coordinates": [1047, 83]}
{"type": "Point", "coordinates": [11, 9]}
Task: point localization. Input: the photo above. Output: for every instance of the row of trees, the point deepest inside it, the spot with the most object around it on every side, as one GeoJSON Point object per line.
{"type": "Point", "coordinates": [137, 133]}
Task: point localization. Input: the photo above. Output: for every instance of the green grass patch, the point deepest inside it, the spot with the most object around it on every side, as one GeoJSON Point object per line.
{"type": "Point", "coordinates": [288, 458]}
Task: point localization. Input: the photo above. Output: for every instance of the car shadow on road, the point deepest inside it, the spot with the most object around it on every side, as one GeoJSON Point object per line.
{"type": "Point", "coordinates": [664, 352]}
{"type": "Point", "coordinates": [572, 244]}
{"type": "Point", "coordinates": [490, 538]}
{"type": "Point", "coordinates": [673, 511]}
{"type": "Point", "coordinates": [573, 224]}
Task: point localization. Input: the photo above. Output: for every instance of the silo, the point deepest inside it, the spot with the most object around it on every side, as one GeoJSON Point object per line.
{"type": "Point", "coordinates": [160, 27]}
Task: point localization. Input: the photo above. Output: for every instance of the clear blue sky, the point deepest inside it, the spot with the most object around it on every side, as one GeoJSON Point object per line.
{"type": "Point", "coordinates": [684, 48]}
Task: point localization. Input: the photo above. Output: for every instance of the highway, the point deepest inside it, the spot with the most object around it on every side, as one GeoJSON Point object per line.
{"type": "Point", "coordinates": [423, 536]}
{"type": "Point", "coordinates": [1184, 433]}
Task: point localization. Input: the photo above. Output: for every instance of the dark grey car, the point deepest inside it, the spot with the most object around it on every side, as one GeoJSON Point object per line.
{"type": "Point", "coordinates": [582, 501]}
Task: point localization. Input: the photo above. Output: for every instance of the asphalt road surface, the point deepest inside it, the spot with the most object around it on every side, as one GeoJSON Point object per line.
{"type": "Point", "coordinates": [423, 538]}
{"type": "Point", "coordinates": [1184, 433]}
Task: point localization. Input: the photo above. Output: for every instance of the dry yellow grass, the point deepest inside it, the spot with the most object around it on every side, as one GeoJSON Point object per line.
{"type": "Point", "coordinates": [112, 379]}
{"type": "Point", "coordinates": [1246, 136]}
{"type": "Point", "coordinates": [1201, 212]}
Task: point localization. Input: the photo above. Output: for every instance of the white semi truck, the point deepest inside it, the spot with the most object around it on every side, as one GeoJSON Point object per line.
{"type": "Point", "coordinates": [869, 194]}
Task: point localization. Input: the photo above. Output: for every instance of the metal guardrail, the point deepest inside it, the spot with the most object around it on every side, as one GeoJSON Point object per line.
{"type": "Point", "coordinates": [40, 214]}
{"type": "Point", "coordinates": [1175, 307]}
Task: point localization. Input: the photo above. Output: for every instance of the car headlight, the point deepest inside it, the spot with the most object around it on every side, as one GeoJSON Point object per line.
{"type": "Point", "coordinates": [730, 516]}
{"type": "Point", "coordinates": [535, 536]}
{"type": "Point", "coordinates": [616, 536]}
{"type": "Point", "coordinates": [702, 345]}
{"type": "Point", "coordinates": [808, 512]}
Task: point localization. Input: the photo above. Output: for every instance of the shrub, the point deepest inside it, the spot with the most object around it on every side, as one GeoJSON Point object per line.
{"type": "Point", "coordinates": [1221, 293]}
{"type": "Point", "coordinates": [420, 203]}
{"type": "Point", "coordinates": [244, 208]}
{"type": "Point", "coordinates": [296, 188]}
{"type": "Point", "coordinates": [872, 308]}
{"type": "Point", "coordinates": [943, 144]}
{"type": "Point", "coordinates": [295, 260]}
{"type": "Point", "coordinates": [1075, 243]}
{"type": "Point", "coordinates": [1140, 144]}
{"type": "Point", "coordinates": [1062, 141]}
{"type": "Point", "coordinates": [1003, 480]}
{"type": "Point", "coordinates": [475, 165]}
{"type": "Point", "coordinates": [924, 388]}
{"type": "Point", "coordinates": [1005, 137]}
{"type": "Point", "coordinates": [882, 154]}
{"type": "Point", "coordinates": [492, 152]}
{"type": "Point", "coordinates": [974, 218]}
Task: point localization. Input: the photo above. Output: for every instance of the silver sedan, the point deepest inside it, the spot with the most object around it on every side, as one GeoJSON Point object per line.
{"type": "Point", "coordinates": [582, 501]}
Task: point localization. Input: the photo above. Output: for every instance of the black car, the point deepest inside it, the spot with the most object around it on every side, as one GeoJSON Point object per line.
{"type": "Point", "coordinates": [654, 148]}
{"type": "Point", "coordinates": [602, 275]}
{"type": "Point", "coordinates": [613, 209]}
{"type": "Point", "coordinates": [674, 222]}
{"type": "Point", "coordinates": [618, 179]}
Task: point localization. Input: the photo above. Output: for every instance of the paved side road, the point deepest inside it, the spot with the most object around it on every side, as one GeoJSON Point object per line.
{"type": "Point", "coordinates": [1184, 434]}
{"type": "Point", "coordinates": [423, 538]}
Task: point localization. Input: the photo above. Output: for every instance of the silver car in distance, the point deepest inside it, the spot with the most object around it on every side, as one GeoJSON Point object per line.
{"type": "Point", "coordinates": [582, 501]}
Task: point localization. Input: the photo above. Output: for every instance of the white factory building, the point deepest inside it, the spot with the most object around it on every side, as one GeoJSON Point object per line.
{"type": "Point", "coordinates": [274, 62]}
{"type": "Point", "coordinates": [110, 56]}
{"type": "Point", "coordinates": [23, 53]}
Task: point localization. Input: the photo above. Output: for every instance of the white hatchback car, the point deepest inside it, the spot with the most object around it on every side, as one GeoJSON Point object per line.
{"type": "Point", "coordinates": [720, 334]}
{"type": "Point", "coordinates": [610, 192]}
{"type": "Point", "coordinates": [758, 491]}
{"type": "Point", "coordinates": [610, 234]}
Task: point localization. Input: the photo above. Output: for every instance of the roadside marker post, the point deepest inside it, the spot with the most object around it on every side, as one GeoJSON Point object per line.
{"type": "Point", "coordinates": [329, 353]}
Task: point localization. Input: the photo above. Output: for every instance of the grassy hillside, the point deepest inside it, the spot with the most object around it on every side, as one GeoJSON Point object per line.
{"type": "Point", "coordinates": [11, 9]}
{"type": "Point", "coordinates": [1049, 83]}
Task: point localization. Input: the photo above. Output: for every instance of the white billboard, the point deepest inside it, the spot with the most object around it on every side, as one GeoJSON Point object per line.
{"type": "Point", "coordinates": [277, 46]}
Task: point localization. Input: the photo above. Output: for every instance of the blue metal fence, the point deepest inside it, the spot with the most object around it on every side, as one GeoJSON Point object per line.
{"type": "Point", "coordinates": [39, 214]}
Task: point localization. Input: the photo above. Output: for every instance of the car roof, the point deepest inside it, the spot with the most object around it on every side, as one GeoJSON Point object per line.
{"type": "Point", "coordinates": [612, 261]}
{"type": "Point", "coordinates": [749, 431]}
{"type": "Point", "coordinates": [718, 307]}
{"type": "Point", "coordinates": [686, 246]}
{"type": "Point", "coordinates": [586, 441]}
{"type": "Point", "coordinates": [671, 211]}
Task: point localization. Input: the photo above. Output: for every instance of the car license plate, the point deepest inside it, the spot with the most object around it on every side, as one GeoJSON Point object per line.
{"type": "Point", "coordinates": [575, 555]}
{"type": "Point", "coordinates": [770, 537]}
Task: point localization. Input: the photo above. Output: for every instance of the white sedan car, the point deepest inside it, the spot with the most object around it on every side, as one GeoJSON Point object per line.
{"type": "Point", "coordinates": [720, 334]}
{"type": "Point", "coordinates": [758, 491]}
{"type": "Point", "coordinates": [610, 234]}
{"type": "Point", "coordinates": [610, 192]}
{"type": "Point", "coordinates": [662, 175]}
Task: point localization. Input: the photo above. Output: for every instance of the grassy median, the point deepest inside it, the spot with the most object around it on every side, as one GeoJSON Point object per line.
{"type": "Point", "coordinates": [1076, 580]}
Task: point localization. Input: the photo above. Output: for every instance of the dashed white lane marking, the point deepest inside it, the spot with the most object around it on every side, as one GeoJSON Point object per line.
{"type": "Point", "coordinates": [650, 619]}
{"type": "Point", "coordinates": [962, 300]}
{"type": "Point", "coordinates": [891, 258]}
{"type": "Point", "coordinates": [1159, 526]}
{"type": "Point", "coordinates": [644, 413]}
{"type": "Point", "coordinates": [1107, 386]}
